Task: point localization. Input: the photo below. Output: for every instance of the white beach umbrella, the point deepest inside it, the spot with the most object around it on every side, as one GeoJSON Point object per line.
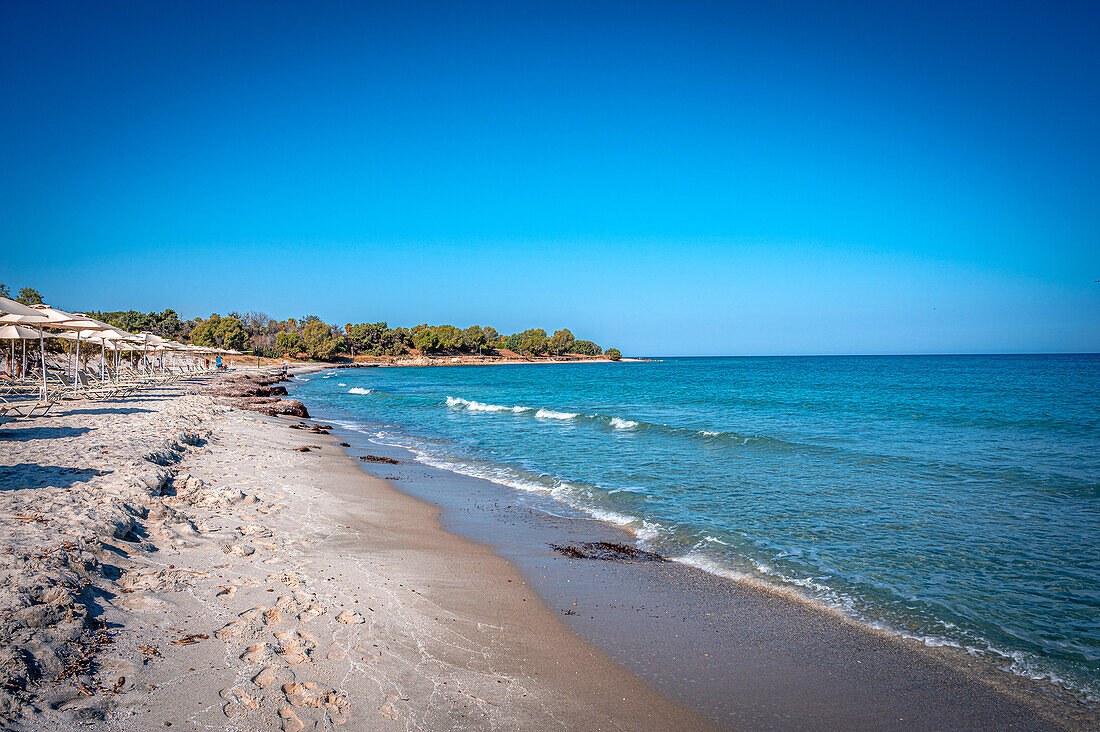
{"type": "Point", "coordinates": [80, 323]}
{"type": "Point", "coordinates": [149, 339]}
{"type": "Point", "coordinates": [12, 311]}
{"type": "Point", "coordinates": [108, 337]}
{"type": "Point", "coordinates": [12, 332]}
{"type": "Point", "coordinates": [36, 315]}
{"type": "Point", "coordinates": [58, 318]}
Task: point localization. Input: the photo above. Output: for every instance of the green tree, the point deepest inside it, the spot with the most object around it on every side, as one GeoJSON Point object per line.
{"type": "Point", "coordinates": [490, 339]}
{"type": "Point", "coordinates": [331, 349]}
{"type": "Point", "coordinates": [473, 339]}
{"type": "Point", "coordinates": [586, 348]}
{"type": "Point", "coordinates": [398, 341]}
{"type": "Point", "coordinates": [314, 335]}
{"type": "Point", "coordinates": [613, 354]}
{"type": "Point", "coordinates": [289, 342]}
{"type": "Point", "coordinates": [233, 335]}
{"type": "Point", "coordinates": [219, 332]}
{"type": "Point", "coordinates": [4, 291]}
{"type": "Point", "coordinates": [29, 296]}
{"type": "Point", "coordinates": [205, 332]}
{"type": "Point", "coordinates": [426, 339]}
{"type": "Point", "coordinates": [367, 338]}
{"type": "Point", "coordinates": [534, 342]}
{"type": "Point", "coordinates": [562, 341]}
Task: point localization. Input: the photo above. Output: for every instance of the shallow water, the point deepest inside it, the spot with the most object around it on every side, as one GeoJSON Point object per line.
{"type": "Point", "coordinates": [950, 498]}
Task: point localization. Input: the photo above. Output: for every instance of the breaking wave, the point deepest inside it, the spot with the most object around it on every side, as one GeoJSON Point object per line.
{"type": "Point", "coordinates": [625, 424]}
{"type": "Point", "coordinates": [552, 414]}
{"type": "Point", "coordinates": [473, 406]}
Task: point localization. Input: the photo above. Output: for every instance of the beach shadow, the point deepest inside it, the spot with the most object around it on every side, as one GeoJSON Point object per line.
{"type": "Point", "coordinates": [31, 475]}
{"type": "Point", "coordinates": [26, 434]}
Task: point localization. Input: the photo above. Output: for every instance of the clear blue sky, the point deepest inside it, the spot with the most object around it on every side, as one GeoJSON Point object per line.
{"type": "Point", "coordinates": [670, 178]}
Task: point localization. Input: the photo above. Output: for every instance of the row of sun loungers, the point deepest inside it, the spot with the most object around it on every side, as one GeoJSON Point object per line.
{"type": "Point", "coordinates": [32, 390]}
{"type": "Point", "coordinates": [22, 398]}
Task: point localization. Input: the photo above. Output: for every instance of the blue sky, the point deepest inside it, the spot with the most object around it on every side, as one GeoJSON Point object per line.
{"type": "Point", "coordinates": [670, 178]}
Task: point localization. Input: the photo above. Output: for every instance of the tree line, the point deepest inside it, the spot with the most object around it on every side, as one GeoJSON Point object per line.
{"type": "Point", "coordinates": [310, 337]}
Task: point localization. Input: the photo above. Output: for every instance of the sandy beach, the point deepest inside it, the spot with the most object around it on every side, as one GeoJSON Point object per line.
{"type": "Point", "coordinates": [172, 562]}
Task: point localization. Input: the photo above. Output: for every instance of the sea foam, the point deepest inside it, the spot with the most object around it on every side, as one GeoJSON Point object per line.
{"type": "Point", "coordinates": [552, 414]}
{"type": "Point", "coordinates": [473, 406]}
{"type": "Point", "coordinates": [623, 424]}
{"type": "Point", "coordinates": [360, 390]}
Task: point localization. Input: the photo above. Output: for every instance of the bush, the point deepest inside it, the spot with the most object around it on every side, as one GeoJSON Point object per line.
{"type": "Point", "coordinates": [219, 332]}
{"type": "Point", "coordinates": [289, 343]}
{"type": "Point", "coordinates": [613, 354]}
{"type": "Point", "coordinates": [586, 348]}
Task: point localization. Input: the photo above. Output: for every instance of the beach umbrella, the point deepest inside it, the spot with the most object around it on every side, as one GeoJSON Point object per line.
{"type": "Point", "coordinates": [108, 337]}
{"type": "Point", "coordinates": [12, 332]}
{"type": "Point", "coordinates": [150, 339]}
{"type": "Point", "coordinates": [79, 322]}
{"type": "Point", "coordinates": [58, 318]}
{"type": "Point", "coordinates": [12, 311]}
{"type": "Point", "coordinates": [35, 315]}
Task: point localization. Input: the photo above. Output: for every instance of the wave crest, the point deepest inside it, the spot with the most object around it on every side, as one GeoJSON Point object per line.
{"type": "Point", "coordinates": [552, 414]}
{"type": "Point", "coordinates": [473, 406]}
{"type": "Point", "coordinates": [360, 390]}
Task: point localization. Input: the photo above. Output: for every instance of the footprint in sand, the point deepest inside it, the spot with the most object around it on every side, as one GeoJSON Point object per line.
{"type": "Point", "coordinates": [230, 630]}
{"type": "Point", "coordinates": [273, 616]}
{"type": "Point", "coordinates": [225, 592]}
{"type": "Point", "coordinates": [238, 702]}
{"type": "Point", "coordinates": [252, 614]}
{"type": "Point", "coordinates": [291, 722]}
{"type": "Point", "coordinates": [265, 677]}
{"type": "Point", "coordinates": [349, 617]}
{"type": "Point", "coordinates": [258, 653]}
{"type": "Point", "coordinates": [290, 580]}
{"type": "Point", "coordinates": [309, 694]}
{"type": "Point", "coordinates": [295, 648]}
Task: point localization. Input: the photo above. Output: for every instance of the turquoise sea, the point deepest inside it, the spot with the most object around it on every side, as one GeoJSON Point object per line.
{"type": "Point", "coordinates": [952, 499]}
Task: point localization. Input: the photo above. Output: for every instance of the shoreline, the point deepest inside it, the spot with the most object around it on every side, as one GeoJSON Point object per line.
{"type": "Point", "coordinates": [988, 689]}
{"type": "Point", "coordinates": [248, 584]}
{"type": "Point", "coordinates": [211, 572]}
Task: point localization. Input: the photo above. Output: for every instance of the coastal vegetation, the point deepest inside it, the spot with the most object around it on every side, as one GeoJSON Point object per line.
{"type": "Point", "coordinates": [310, 337]}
